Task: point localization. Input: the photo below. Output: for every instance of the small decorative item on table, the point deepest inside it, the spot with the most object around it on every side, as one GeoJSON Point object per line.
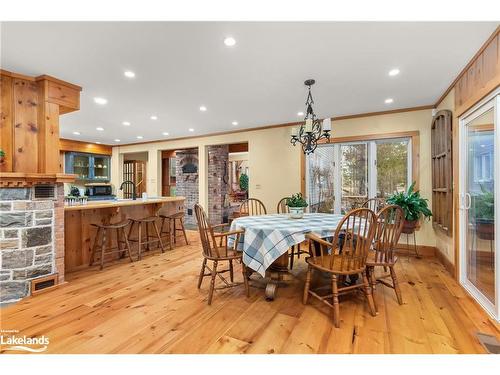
{"type": "Point", "coordinates": [296, 203]}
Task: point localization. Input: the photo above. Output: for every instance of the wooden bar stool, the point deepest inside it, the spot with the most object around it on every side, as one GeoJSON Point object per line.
{"type": "Point", "coordinates": [144, 224]}
{"type": "Point", "coordinates": [178, 218]}
{"type": "Point", "coordinates": [121, 238]}
{"type": "Point", "coordinates": [166, 231]}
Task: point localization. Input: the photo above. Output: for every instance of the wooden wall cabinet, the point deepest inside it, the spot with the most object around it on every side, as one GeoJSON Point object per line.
{"type": "Point", "coordinates": [29, 122]}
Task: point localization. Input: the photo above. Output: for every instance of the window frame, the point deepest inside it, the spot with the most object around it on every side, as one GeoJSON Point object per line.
{"type": "Point", "coordinates": [413, 138]}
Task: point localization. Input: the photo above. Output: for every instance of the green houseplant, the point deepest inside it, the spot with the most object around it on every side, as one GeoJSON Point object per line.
{"type": "Point", "coordinates": [414, 206]}
{"type": "Point", "coordinates": [2, 156]}
{"type": "Point", "coordinates": [296, 203]}
{"type": "Point", "coordinates": [244, 182]}
{"type": "Point", "coordinates": [483, 212]}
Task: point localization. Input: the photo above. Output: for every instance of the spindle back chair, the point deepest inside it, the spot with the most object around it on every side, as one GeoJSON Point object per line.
{"type": "Point", "coordinates": [252, 207]}
{"type": "Point", "coordinates": [282, 208]}
{"type": "Point", "coordinates": [374, 204]}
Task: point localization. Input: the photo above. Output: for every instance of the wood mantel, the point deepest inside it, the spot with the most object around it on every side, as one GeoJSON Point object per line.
{"type": "Point", "coordinates": [16, 179]}
{"type": "Point", "coordinates": [29, 125]}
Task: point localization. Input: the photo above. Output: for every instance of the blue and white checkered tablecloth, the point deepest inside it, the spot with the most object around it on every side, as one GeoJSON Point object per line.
{"type": "Point", "coordinates": [267, 237]}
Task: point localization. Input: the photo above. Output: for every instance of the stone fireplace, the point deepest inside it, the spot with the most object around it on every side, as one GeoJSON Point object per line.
{"type": "Point", "coordinates": [31, 239]}
{"type": "Point", "coordinates": [187, 180]}
{"type": "Point", "coordinates": [218, 184]}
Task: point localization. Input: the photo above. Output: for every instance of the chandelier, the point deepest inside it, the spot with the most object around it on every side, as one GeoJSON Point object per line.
{"type": "Point", "coordinates": [313, 130]}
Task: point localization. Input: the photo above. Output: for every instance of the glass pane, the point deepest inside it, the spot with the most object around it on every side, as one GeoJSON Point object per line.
{"type": "Point", "coordinates": [392, 167]}
{"type": "Point", "coordinates": [81, 166]}
{"type": "Point", "coordinates": [480, 251]}
{"type": "Point", "coordinates": [354, 175]}
{"type": "Point", "coordinates": [320, 180]}
{"type": "Point", "coordinates": [101, 168]}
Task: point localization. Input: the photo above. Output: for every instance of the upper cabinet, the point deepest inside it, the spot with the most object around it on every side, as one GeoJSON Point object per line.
{"type": "Point", "coordinates": [88, 167]}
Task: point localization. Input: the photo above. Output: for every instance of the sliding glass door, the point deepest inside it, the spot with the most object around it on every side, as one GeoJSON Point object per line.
{"type": "Point", "coordinates": [341, 176]}
{"type": "Point", "coordinates": [479, 204]}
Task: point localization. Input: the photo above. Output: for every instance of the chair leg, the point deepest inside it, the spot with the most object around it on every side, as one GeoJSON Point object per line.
{"type": "Point", "coordinates": [139, 241]}
{"type": "Point", "coordinates": [184, 232]}
{"type": "Point", "coordinates": [119, 244]}
{"type": "Point", "coordinates": [127, 245]}
{"type": "Point", "coordinates": [395, 283]}
{"type": "Point", "coordinates": [307, 286]}
{"type": "Point", "coordinates": [368, 294]}
{"type": "Point", "coordinates": [245, 279]}
{"type": "Point", "coordinates": [370, 275]}
{"type": "Point", "coordinates": [212, 283]}
{"type": "Point", "coordinates": [159, 236]}
{"type": "Point", "coordinates": [103, 246]}
{"type": "Point", "coordinates": [94, 247]}
{"type": "Point", "coordinates": [292, 256]}
{"type": "Point", "coordinates": [202, 272]}
{"type": "Point", "coordinates": [336, 307]}
{"type": "Point", "coordinates": [147, 236]}
{"type": "Point", "coordinates": [231, 271]}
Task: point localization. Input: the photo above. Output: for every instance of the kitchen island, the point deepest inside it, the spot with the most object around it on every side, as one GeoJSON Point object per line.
{"type": "Point", "coordinates": [79, 234]}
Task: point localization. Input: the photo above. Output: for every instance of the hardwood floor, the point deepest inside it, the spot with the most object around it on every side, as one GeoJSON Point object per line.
{"type": "Point", "coordinates": [153, 306]}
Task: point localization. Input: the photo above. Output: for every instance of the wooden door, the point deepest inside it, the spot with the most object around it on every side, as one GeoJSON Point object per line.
{"type": "Point", "coordinates": [135, 171]}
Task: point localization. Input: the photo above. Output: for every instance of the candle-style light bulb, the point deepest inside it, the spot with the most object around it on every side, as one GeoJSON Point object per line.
{"type": "Point", "coordinates": [309, 125]}
{"type": "Point", "coordinates": [327, 124]}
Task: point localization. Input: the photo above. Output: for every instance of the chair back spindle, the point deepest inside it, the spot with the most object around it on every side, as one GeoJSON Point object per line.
{"type": "Point", "coordinates": [374, 204]}
{"type": "Point", "coordinates": [282, 208]}
{"type": "Point", "coordinates": [252, 207]}
{"type": "Point", "coordinates": [390, 222]}
{"type": "Point", "coordinates": [353, 237]}
{"type": "Point", "coordinates": [208, 241]}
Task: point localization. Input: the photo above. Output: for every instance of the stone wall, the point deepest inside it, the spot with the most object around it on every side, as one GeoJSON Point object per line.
{"type": "Point", "coordinates": [218, 157]}
{"type": "Point", "coordinates": [186, 184]}
{"type": "Point", "coordinates": [30, 246]}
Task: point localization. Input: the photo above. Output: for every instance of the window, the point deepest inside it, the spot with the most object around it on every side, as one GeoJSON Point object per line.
{"type": "Point", "coordinates": [442, 172]}
{"type": "Point", "coordinates": [341, 176]}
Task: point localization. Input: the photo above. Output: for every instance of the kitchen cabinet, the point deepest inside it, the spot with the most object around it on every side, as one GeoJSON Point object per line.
{"type": "Point", "coordinates": [88, 167]}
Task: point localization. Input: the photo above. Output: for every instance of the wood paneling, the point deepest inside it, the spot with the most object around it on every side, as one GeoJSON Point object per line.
{"type": "Point", "coordinates": [238, 147]}
{"type": "Point", "coordinates": [69, 145]}
{"type": "Point", "coordinates": [80, 235]}
{"type": "Point", "coordinates": [442, 171]}
{"type": "Point", "coordinates": [481, 76]}
{"type": "Point", "coordinates": [63, 95]}
{"type": "Point", "coordinates": [25, 126]}
{"type": "Point", "coordinates": [6, 120]}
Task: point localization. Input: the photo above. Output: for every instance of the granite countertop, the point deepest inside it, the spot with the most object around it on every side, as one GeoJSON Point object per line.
{"type": "Point", "coordinates": [121, 203]}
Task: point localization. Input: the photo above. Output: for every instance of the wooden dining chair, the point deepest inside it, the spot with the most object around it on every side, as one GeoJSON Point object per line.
{"type": "Point", "coordinates": [389, 226]}
{"type": "Point", "coordinates": [252, 207]}
{"type": "Point", "coordinates": [344, 256]}
{"type": "Point", "coordinates": [295, 250]}
{"type": "Point", "coordinates": [215, 250]}
{"type": "Point", "coordinates": [374, 204]}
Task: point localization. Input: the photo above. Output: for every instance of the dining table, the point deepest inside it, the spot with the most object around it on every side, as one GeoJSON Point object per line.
{"type": "Point", "coordinates": [267, 239]}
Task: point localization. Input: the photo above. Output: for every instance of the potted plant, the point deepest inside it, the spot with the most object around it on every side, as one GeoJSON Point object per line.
{"type": "Point", "coordinates": [483, 212]}
{"type": "Point", "coordinates": [296, 203]}
{"type": "Point", "coordinates": [2, 156]}
{"type": "Point", "coordinates": [244, 183]}
{"type": "Point", "coordinates": [414, 206]}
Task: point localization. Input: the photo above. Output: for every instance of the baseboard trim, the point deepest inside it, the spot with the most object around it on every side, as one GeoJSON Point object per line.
{"type": "Point", "coordinates": [450, 267]}
{"type": "Point", "coordinates": [423, 250]}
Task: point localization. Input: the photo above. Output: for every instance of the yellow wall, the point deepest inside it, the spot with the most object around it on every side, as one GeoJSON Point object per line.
{"type": "Point", "coordinates": [275, 165]}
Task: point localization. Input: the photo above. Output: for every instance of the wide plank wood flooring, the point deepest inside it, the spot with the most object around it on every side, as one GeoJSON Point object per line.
{"type": "Point", "coordinates": [153, 306]}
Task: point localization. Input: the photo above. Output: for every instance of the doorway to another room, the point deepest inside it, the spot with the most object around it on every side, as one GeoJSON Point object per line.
{"type": "Point", "coordinates": [134, 169]}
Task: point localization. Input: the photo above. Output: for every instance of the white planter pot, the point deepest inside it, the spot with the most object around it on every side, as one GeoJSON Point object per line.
{"type": "Point", "coordinates": [296, 212]}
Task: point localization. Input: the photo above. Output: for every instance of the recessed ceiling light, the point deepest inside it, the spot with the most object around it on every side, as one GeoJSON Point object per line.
{"type": "Point", "coordinates": [100, 101]}
{"type": "Point", "coordinates": [229, 41]}
{"type": "Point", "coordinates": [154, 117]}
{"type": "Point", "coordinates": [99, 128]}
{"type": "Point", "coordinates": [394, 72]}
{"type": "Point", "coordinates": [140, 137]}
{"type": "Point", "coordinates": [203, 108]}
{"type": "Point", "coordinates": [191, 129]}
{"type": "Point", "coordinates": [165, 133]}
{"type": "Point", "coordinates": [126, 123]}
{"type": "Point", "coordinates": [117, 140]}
{"type": "Point", "coordinates": [389, 100]}
{"type": "Point", "coordinates": [76, 133]}
{"type": "Point", "coordinates": [129, 74]}
{"type": "Point", "coordinates": [235, 123]}
{"type": "Point", "coordinates": [300, 113]}
{"type": "Point", "coordinates": [98, 143]}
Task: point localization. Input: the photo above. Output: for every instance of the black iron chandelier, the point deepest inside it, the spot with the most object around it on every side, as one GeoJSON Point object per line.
{"type": "Point", "coordinates": [313, 130]}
